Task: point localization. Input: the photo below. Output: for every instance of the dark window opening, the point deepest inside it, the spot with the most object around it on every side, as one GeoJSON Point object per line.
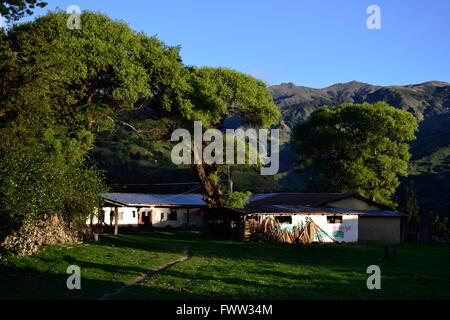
{"type": "Point", "coordinates": [134, 214]}
{"type": "Point", "coordinates": [334, 219]}
{"type": "Point", "coordinates": [162, 215]}
{"type": "Point", "coordinates": [284, 219]}
{"type": "Point", "coordinates": [173, 215]}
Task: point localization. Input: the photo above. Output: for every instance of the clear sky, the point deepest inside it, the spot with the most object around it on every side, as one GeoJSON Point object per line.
{"type": "Point", "coordinates": [313, 43]}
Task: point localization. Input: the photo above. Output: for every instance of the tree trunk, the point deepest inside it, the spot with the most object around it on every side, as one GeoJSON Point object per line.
{"type": "Point", "coordinates": [212, 193]}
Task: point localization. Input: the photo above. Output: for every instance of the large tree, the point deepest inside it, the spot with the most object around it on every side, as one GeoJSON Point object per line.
{"type": "Point", "coordinates": [215, 94]}
{"type": "Point", "coordinates": [361, 148]}
{"type": "Point", "coordinates": [59, 87]}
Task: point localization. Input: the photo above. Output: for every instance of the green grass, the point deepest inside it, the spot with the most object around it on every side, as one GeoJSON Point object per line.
{"type": "Point", "coordinates": [222, 269]}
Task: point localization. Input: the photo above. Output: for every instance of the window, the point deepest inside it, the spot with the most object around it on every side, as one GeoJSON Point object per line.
{"type": "Point", "coordinates": [134, 214]}
{"type": "Point", "coordinates": [162, 216]}
{"type": "Point", "coordinates": [284, 219]}
{"type": "Point", "coordinates": [173, 215]}
{"type": "Point", "coordinates": [120, 216]}
{"type": "Point", "coordinates": [334, 219]}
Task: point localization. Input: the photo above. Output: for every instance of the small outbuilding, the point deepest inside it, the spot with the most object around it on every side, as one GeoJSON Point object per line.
{"type": "Point", "coordinates": [338, 217]}
{"type": "Point", "coordinates": [157, 210]}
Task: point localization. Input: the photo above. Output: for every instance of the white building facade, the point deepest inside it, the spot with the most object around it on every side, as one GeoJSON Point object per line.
{"type": "Point", "coordinates": [150, 210]}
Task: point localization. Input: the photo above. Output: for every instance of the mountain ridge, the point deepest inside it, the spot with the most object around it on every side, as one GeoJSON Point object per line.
{"type": "Point", "coordinates": [424, 99]}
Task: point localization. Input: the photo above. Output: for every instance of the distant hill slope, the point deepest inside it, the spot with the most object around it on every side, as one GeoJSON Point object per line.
{"type": "Point", "coordinates": [423, 100]}
{"type": "Point", "coordinates": [430, 104]}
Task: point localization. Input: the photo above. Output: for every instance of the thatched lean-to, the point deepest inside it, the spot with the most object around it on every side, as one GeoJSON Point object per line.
{"type": "Point", "coordinates": [270, 229]}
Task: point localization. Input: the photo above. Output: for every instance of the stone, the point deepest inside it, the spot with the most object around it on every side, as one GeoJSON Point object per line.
{"type": "Point", "coordinates": [36, 234]}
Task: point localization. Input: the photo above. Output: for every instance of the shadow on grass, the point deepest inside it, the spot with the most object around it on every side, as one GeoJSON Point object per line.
{"type": "Point", "coordinates": [235, 270]}
{"type": "Point", "coordinates": [110, 268]}
{"type": "Point", "coordinates": [202, 245]}
{"type": "Point", "coordinates": [174, 286]}
{"type": "Point", "coordinates": [30, 284]}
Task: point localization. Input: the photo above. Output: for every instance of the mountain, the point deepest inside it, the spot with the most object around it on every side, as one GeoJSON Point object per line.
{"type": "Point", "coordinates": [429, 102]}
{"type": "Point", "coordinates": [423, 100]}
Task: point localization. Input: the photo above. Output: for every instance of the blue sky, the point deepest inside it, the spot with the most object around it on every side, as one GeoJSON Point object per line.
{"type": "Point", "coordinates": [312, 43]}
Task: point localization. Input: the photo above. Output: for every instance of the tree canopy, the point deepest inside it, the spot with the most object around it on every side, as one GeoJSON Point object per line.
{"type": "Point", "coordinates": [360, 148]}
{"type": "Point", "coordinates": [16, 9]}
{"type": "Point", "coordinates": [215, 94]}
{"type": "Point", "coordinates": [60, 87]}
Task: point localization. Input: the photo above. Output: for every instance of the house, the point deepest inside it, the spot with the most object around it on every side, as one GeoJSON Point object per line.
{"type": "Point", "coordinates": [158, 210]}
{"type": "Point", "coordinates": [341, 217]}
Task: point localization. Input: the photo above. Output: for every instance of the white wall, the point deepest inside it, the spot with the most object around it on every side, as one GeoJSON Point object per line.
{"type": "Point", "coordinates": [347, 231]}
{"type": "Point", "coordinates": [126, 213]}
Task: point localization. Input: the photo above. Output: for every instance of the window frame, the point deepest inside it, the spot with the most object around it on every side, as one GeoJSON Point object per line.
{"type": "Point", "coordinates": [334, 219]}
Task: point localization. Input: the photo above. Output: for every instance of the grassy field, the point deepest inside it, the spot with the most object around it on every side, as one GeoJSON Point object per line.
{"type": "Point", "coordinates": [221, 269]}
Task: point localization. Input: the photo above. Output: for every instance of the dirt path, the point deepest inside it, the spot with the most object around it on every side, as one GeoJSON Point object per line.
{"type": "Point", "coordinates": [186, 255]}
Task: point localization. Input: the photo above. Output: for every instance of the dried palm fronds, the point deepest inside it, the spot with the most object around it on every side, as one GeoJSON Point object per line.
{"type": "Point", "coordinates": [308, 232]}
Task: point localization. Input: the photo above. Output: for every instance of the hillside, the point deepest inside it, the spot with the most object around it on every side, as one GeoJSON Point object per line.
{"type": "Point", "coordinates": [430, 104]}
{"type": "Point", "coordinates": [423, 100]}
{"type": "Point", "coordinates": [133, 164]}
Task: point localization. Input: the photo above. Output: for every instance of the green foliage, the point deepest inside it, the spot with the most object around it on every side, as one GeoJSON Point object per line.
{"type": "Point", "coordinates": [38, 181]}
{"type": "Point", "coordinates": [359, 148]}
{"type": "Point", "coordinates": [58, 88]}
{"type": "Point", "coordinates": [215, 94]}
{"type": "Point", "coordinates": [218, 92]}
{"type": "Point", "coordinates": [236, 200]}
{"type": "Point", "coordinates": [16, 9]}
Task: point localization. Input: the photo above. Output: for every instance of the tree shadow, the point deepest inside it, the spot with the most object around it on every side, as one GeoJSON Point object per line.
{"type": "Point", "coordinates": [201, 244]}
{"type": "Point", "coordinates": [30, 284]}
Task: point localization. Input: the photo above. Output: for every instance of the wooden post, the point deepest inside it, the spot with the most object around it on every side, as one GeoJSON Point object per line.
{"type": "Point", "coordinates": [116, 221]}
{"type": "Point", "coordinates": [230, 182]}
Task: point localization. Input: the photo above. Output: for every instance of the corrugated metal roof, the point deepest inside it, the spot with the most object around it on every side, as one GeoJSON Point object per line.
{"type": "Point", "coordinates": [268, 209]}
{"type": "Point", "coordinates": [271, 209]}
{"type": "Point", "coordinates": [259, 203]}
{"type": "Point", "coordinates": [383, 213]}
{"type": "Point", "coordinates": [294, 199]}
{"type": "Point", "coordinates": [319, 210]}
{"type": "Point", "coordinates": [259, 196]}
{"type": "Point", "coordinates": [140, 199]}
